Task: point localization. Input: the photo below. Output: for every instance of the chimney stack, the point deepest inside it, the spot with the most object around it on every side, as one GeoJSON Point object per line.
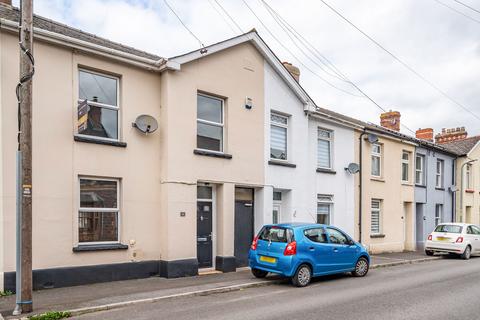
{"type": "Point", "coordinates": [425, 134]}
{"type": "Point", "coordinates": [390, 120]}
{"type": "Point", "coordinates": [7, 2]}
{"type": "Point", "coordinates": [294, 71]}
{"type": "Point", "coordinates": [450, 135]}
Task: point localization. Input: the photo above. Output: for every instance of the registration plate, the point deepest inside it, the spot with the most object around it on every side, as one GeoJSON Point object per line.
{"type": "Point", "coordinates": [443, 239]}
{"type": "Point", "coordinates": [268, 259]}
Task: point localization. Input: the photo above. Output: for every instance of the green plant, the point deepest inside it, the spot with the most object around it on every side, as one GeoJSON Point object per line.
{"type": "Point", "coordinates": [52, 315]}
{"type": "Point", "coordinates": [5, 293]}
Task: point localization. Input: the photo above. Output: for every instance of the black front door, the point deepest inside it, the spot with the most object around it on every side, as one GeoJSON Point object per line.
{"type": "Point", "coordinates": [243, 225]}
{"type": "Point", "coordinates": [204, 234]}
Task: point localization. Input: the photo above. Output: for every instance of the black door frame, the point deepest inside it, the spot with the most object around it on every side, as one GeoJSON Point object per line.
{"type": "Point", "coordinates": [214, 221]}
{"type": "Point", "coordinates": [235, 213]}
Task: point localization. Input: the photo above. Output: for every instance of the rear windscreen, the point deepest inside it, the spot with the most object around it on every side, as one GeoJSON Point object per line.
{"type": "Point", "coordinates": [276, 234]}
{"type": "Point", "coordinates": [448, 228]}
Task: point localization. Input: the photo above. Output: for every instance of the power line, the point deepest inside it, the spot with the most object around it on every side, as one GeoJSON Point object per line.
{"type": "Point", "coordinates": [457, 11]}
{"type": "Point", "coordinates": [183, 24]}
{"type": "Point", "coordinates": [223, 17]}
{"type": "Point", "coordinates": [228, 15]}
{"type": "Point", "coordinates": [467, 6]}
{"type": "Point", "coordinates": [401, 62]}
{"type": "Point", "coordinates": [329, 64]}
{"type": "Point", "coordinates": [293, 55]}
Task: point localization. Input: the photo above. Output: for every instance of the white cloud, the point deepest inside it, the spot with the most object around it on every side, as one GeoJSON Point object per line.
{"type": "Point", "coordinates": [438, 43]}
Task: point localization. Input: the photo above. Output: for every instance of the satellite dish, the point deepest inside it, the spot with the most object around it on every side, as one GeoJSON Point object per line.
{"type": "Point", "coordinates": [372, 138]}
{"type": "Point", "coordinates": [145, 123]}
{"type": "Point", "coordinates": [353, 168]}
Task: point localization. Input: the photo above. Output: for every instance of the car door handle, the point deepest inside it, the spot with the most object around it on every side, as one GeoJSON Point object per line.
{"type": "Point", "coordinates": [311, 249]}
{"type": "Point", "coordinates": [335, 250]}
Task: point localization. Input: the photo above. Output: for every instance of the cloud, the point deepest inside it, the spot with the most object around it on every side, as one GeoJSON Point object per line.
{"type": "Point", "coordinates": [439, 43]}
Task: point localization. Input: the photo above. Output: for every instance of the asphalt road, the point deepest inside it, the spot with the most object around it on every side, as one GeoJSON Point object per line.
{"type": "Point", "coordinates": [441, 289]}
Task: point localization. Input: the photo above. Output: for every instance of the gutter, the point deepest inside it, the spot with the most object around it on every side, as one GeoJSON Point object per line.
{"type": "Point", "coordinates": [322, 116]}
{"type": "Point", "coordinates": [85, 46]}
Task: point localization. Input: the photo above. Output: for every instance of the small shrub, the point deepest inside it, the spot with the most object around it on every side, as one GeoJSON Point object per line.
{"type": "Point", "coordinates": [5, 293]}
{"type": "Point", "coordinates": [52, 315]}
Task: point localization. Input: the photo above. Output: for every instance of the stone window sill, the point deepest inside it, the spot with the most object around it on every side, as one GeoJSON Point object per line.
{"type": "Point", "coordinates": [377, 179]}
{"type": "Point", "coordinates": [329, 171]}
{"type": "Point", "coordinates": [282, 163]}
{"type": "Point", "coordinates": [93, 140]}
{"type": "Point", "coordinates": [373, 236]}
{"type": "Point", "coordinates": [470, 191]}
{"type": "Point", "coordinates": [99, 247]}
{"type": "Point", "coordinates": [440, 189]}
{"type": "Point", "coordinates": [420, 186]}
{"type": "Point", "coordinates": [214, 154]}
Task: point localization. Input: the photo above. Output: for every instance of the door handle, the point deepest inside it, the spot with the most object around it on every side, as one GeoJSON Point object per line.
{"type": "Point", "coordinates": [335, 250]}
{"type": "Point", "coordinates": [311, 249]}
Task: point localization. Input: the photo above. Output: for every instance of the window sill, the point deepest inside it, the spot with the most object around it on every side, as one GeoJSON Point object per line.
{"type": "Point", "coordinates": [79, 138]}
{"type": "Point", "coordinates": [99, 247]}
{"type": "Point", "coordinates": [214, 154]}
{"type": "Point", "coordinates": [329, 171]}
{"type": "Point", "coordinates": [377, 179]}
{"type": "Point", "coordinates": [470, 191]}
{"type": "Point", "coordinates": [420, 186]}
{"type": "Point", "coordinates": [409, 184]}
{"type": "Point", "coordinates": [281, 163]}
{"type": "Point", "coordinates": [377, 236]}
{"type": "Point", "coordinates": [440, 188]}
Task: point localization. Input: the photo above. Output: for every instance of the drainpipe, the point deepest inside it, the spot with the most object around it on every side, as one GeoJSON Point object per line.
{"type": "Point", "coordinates": [360, 163]}
{"type": "Point", "coordinates": [462, 187]}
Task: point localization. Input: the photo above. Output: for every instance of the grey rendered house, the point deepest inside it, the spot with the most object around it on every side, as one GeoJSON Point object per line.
{"type": "Point", "coordinates": [434, 176]}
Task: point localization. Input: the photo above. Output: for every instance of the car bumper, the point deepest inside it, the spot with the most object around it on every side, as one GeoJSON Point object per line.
{"type": "Point", "coordinates": [283, 265]}
{"type": "Point", "coordinates": [442, 247]}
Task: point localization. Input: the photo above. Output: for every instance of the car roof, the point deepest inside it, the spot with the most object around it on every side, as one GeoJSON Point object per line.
{"type": "Point", "coordinates": [295, 225]}
{"type": "Point", "coordinates": [461, 224]}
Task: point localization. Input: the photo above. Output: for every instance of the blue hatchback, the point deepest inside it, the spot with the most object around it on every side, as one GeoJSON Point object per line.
{"type": "Point", "coordinates": [304, 250]}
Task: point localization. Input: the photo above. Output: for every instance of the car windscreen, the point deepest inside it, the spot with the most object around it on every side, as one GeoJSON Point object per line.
{"type": "Point", "coordinates": [448, 228]}
{"type": "Point", "coordinates": [276, 234]}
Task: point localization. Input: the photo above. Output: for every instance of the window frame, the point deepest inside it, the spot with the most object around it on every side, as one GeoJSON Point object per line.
{"type": "Point", "coordinates": [279, 125]}
{"type": "Point", "coordinates": [468, 177]}
{"type": "Point", "coordinates": [376, 155]}
{"type": "Point", "coordinates": [330, 204]}
{"type": "Point", "coordinates": [100, 105]}
{"type": "Point", "coordinates": [91, 209]}
{"type": "Point", "coordinates": [407, 163]}
{"type": "Point", "coordinates": [330, 141]}
{"type": "Point", "coordinates": [379, 210]}
{"type": "Point", "coordinates": [440, 163]}
{"type": "Point", "coordinates": [421, 170]}
{"type": "Point", "coordinates": [211, 123]}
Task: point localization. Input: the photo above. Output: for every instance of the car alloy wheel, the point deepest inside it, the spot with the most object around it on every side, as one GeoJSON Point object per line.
{"type": "Point", "coordinates": [467, 253]}
{"type": "Point", "coordinates": [302, 276]}
{"type": "Point", "coordinates": [361, 267]}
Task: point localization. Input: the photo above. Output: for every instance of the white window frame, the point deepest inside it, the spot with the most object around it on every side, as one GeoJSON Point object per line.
{"type": "Point", "coordinates": [279, 125]}
{"type": "Point", "coordinates": [89, 209]}
{"type": "Point", "coordinates": [421, 170]}
{"type": "Point", "coordinates": [439, 174]}
{"type": "Point", "coordinates": [326, 199]}
{"type": "Point", "coordinates": [330, 141]}
{"type": "Point", "coordinates": [212, 123]}
{"type": "Point", "coordinates": [438, 213]}
{"type": "Point", "coordinates": [468, 177]}
{"type": "Point", "coordinates": [406, 162]}
{"type": "Point", "coordinates": [102, 105]}
{"type": "Point", "coordinates": [378, 155]}
{"type": "Point", "coordinates": [379, 211]}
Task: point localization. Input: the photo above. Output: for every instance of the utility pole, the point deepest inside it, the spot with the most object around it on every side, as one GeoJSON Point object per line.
{"type": "Point", "coordinates": [24, 162]}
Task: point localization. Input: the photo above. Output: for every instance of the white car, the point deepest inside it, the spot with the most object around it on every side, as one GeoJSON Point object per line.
{"type": "Point", "coordinates": [462, 239]}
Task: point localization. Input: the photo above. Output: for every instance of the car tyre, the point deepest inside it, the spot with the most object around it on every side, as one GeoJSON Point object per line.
{"type": "Point", "coordinates": [302, 276]}
{"type": "Point", "coordinates": [467, 253]}
{"type": "Point", "coordinates": [361, 267]}
{"type": "Point", "coordinates": [257, 273]}
{"type": "Point", "coordinates": [429, 252]}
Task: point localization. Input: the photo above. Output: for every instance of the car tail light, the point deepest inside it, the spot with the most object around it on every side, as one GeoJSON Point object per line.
{"type": "Point", "coordinates": [290, 249]}
{"type": "Point", "coordinates": [459, 240]}
{"type": "Point", "coordinates": [429, 237]}
{"type": "Point", "coordinates": [254, 243]}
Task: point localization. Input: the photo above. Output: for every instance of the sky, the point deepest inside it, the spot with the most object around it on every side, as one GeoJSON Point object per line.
{"type": "Point", "coordinates": [440, 43]}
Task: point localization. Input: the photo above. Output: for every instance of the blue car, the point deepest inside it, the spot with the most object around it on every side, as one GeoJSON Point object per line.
{"type": "Point", "coordinates": [301, 251]}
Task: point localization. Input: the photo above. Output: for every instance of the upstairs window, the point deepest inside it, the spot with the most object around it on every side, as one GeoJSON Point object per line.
{"type": "Point", "coordinates": [278, 136]}
{"type": "Point", "coordinates": [324, 149]}
{"type": "Point", "coordinates": [98, 105]}
{"type": "Point", "coordinates": [439, 174]}
{"type": "Point", "coordinates": [405, 166]}
{"type": "Point", "coordinates": [376, 160]}
{"type": "Point", "coordinates": [210, 123]}
{"type": "Point", "coordinates": [420, 169]}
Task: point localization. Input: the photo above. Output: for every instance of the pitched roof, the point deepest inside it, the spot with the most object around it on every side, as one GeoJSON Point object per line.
{"type": "Point", "coordinates": [462, 147]}
{"type": "Point", "coordinates": [11, 13]}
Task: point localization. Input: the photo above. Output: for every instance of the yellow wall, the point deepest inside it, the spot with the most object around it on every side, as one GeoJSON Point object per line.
{"type": "Point", "coordinates": [471, 200]}
{"type": "Point", "coordinates": [397, 198]}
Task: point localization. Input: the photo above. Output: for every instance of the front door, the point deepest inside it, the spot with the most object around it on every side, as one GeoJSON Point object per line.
{"type": "Point", "coordinates": [243, 225]}
{"type": "Point", "coordinates": [204, 234]}
{"type": "Point", "coordinates": [420, 226]}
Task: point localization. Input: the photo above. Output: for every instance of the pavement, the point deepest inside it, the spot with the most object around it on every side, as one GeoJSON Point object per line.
{"type": "Point", "coordinates": [119, 294]}
{"type": "Point", "coordinates": [444, 289]}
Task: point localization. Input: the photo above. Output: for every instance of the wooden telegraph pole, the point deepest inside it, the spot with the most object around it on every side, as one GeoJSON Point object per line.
{"type": "Point", "coordinates": [24, 160]}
